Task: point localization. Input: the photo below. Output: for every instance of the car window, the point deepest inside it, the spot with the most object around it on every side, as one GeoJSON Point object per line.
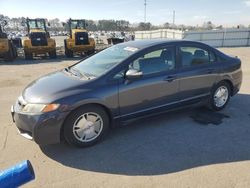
{"type": "Point", "coordinates": [155, 61]}
{"type": "Point", "coordinates": [156, 53]}
{"type": "Point", "coordinates": [192, 56]}
{"type": "Point", "coordinates": [105, 60]}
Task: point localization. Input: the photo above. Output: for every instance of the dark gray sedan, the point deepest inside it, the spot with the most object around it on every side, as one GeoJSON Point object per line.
{"type": "Point", "coordinates": [126, 81]}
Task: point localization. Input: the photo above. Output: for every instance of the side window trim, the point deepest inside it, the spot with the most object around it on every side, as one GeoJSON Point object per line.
{"type": "Point", "coordinates": [214, 55]}
{"type": "Point", "coordinates": [209, 50]}
{"type": "Point", "coordinates": [193, 46]}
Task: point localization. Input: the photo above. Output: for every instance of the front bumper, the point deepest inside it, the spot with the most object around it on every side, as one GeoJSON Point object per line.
{"type": "Point", "coordinates": [43, 128]}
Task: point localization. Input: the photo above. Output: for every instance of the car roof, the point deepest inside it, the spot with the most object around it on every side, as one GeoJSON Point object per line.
{"type": "Point", "coordinates": [141, 44]}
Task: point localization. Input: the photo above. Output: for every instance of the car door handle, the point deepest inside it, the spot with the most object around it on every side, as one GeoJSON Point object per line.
{"type": "Point", "coordinates": [210, 70]}
{"type": "Point", "coordinates": [170, 78]}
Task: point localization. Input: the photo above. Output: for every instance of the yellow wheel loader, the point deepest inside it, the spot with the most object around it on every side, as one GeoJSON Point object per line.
{"type": "Point", "coordinates": [38, 41]}
{"type": "Point", "coordinates": [79, 40]}
{"type": "Point", "coordinates": [8, 51]}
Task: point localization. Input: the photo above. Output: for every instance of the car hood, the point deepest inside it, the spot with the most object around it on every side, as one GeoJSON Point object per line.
{"type": "Point", "coordinates": [52, 87]}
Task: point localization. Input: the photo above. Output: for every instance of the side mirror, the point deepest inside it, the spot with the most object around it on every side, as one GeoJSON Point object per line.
{"type": "Point", "coordinates": [63, 24]}
{"type": "Point", "coordinates": [133, 74]}
{"type": "Point", "coordinates": [48, 24]}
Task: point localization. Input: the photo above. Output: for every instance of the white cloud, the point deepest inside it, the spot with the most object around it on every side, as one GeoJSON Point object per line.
{"type": "Point", "coordinates": [247, 3]}
{"type": "Point", "coordinates": [200, 17]}
{"type": "Point", "coordinates": [230, 12]}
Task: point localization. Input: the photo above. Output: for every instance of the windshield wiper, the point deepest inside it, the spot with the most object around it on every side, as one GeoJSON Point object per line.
{"type": "Point", "coordinates": [66, 69]}
{"type": "Point", "coordinates": [89, 75]}
{"type": "Point", "coordinates": [78, 73]}
{"type": "Point", "coordinates": [69, 71]}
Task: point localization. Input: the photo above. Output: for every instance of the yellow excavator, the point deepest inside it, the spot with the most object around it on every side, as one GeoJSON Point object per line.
{"type": "Point", "coordinates": [8, 51]}
{"type": "Point", "coordinates": [79, 40]}
{"type": "Point", "coordinates": [38, 41]}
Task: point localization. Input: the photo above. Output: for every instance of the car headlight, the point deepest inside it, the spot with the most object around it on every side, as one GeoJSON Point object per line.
{"type": "Point", "coordinates": [38, 108]}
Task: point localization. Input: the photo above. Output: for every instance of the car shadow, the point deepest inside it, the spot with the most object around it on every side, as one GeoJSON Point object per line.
{"type": "Point", "coordinates": [168, 143]}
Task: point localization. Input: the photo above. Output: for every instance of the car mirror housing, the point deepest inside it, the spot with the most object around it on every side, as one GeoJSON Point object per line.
{"type": "Point", "coordinates": [133, 74]}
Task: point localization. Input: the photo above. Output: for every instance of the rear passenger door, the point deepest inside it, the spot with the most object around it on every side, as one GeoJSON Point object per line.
{"type": "Point", "coordinates": [197, 71]}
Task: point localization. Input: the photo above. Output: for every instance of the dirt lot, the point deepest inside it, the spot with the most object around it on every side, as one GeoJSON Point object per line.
{"type": "Point", "coordinates": [167, 151]}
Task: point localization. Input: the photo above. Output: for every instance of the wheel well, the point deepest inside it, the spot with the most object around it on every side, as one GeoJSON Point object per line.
{"type": "Point", "coordinates": [89, 104]}
{"type": "Point", "coordinates": [230, 84]}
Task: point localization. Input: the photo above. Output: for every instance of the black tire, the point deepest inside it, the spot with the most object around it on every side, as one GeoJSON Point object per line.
{"type": "Point", "coordinates": [28, 56]}
{"type": "Point", "coordinates": [52, 54]}
{"type": "Point", "coordinates": [15, 52]}
{"type": "Point", "coordinates": [10, 54]}
{"type": "Point", "coordinates": [212, 104]}
{"type": "Point", "coordinates": [90, 52]}
{"type": "Point", "coordinates": [68, 53]}
{"type": "Point", "coordinates": [73, 118]}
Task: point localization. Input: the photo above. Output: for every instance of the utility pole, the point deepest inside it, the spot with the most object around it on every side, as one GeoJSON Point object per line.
{"type": "Point", "coordinates": [173, 17]}
{"type": "Point", "coordinates": [145, 11]}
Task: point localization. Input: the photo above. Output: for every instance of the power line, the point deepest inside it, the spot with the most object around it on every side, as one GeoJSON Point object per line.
{"type": "Point", "coordinates": [173, 17]}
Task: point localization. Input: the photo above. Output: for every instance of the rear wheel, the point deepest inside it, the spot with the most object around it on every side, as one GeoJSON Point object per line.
{"type": "Point", "coordinates": [220, 96]}
{"type": "Point", "coordinates": [10, 54]}
{"type": "Point", "coordinates": [86, 126]}
{"type": "Point", "coordinates": [68, 52]}
{"type": "Point", "coordinates": [52, 54]}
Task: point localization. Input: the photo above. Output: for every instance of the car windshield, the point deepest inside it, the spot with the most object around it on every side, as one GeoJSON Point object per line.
{"type": "Point", "coordinates": [103, 61]}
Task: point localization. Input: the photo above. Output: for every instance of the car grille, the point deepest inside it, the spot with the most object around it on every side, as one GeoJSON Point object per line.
{"type": "Point", "coordinates": [82, 38]}
{"type": "Point", "coordinates": [38, 39]}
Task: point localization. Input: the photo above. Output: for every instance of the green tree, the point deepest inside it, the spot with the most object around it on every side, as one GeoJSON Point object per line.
{"type": "Point", "coordinates": [91, 25]}
{"type": "Point", "coordinates": [107, 25]}
{"type": "Point", "coordinates": [144, 26]}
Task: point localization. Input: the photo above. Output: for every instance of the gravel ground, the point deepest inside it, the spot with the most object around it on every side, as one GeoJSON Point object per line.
{"type": "Point", "coordinates": [171, 150]}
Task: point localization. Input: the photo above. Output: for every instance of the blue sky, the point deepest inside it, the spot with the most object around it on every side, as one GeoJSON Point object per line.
{"type": "Point", "coordinates": [193, 12]}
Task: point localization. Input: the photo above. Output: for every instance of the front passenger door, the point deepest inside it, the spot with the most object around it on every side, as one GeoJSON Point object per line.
{"type": "Point", "coordinates": [157, 88]}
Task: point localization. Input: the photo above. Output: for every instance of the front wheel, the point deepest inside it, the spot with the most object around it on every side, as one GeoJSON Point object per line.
{"type": "Point", "coordinates": [68, 52]}
{"type": "Point", "coordinates": [28, 55]}
{"type": "Point", "coordinates": [90, 52]}
{"type": "Point", "coordinates": [86, 126]}
{"type": "Point", "coordinates": [220, 96]}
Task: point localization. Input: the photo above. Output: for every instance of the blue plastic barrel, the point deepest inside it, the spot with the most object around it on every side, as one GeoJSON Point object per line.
{"type": "Point", "coordinates": [17, 175]}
